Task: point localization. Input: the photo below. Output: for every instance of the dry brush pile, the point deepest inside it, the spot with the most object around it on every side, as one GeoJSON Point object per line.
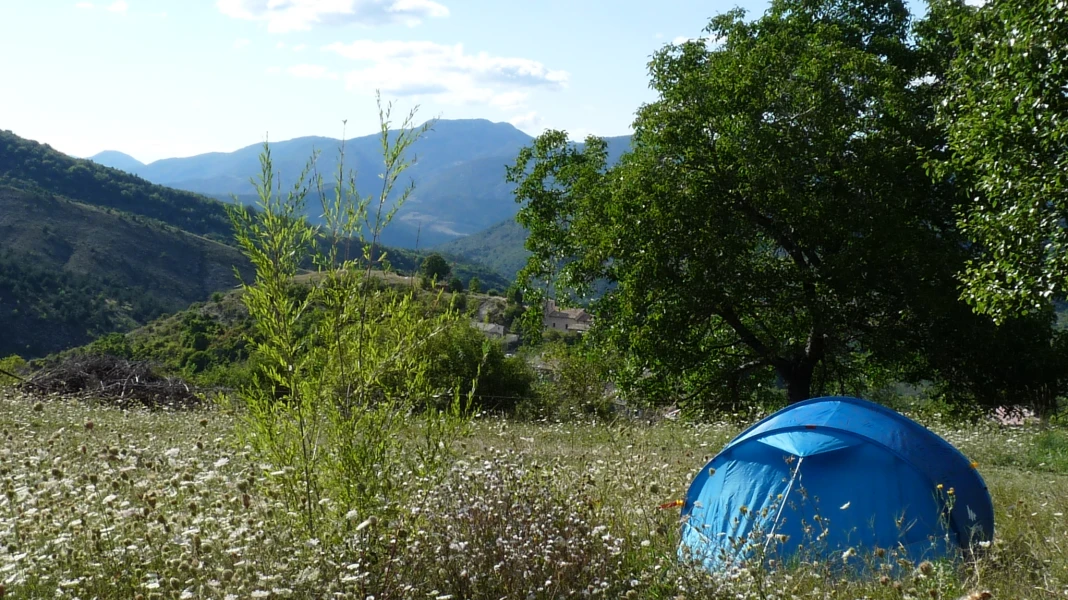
{"type": "Point", "coordinates": [112, 380]}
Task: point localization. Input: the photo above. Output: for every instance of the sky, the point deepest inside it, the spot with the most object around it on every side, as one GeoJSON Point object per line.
{"type": "Point", "coordinates": [168, 78]}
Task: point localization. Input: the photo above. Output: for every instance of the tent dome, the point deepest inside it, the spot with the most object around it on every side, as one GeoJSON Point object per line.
{"type": "Point", "coordinates": [829, 474]}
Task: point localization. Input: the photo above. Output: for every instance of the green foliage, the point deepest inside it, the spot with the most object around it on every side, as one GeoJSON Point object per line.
{"type": "Point", "coordinates": [112, 344]}
{"type": "Point", "coordinates": [576, 387]}
{"type": "Point", "coordinates": [434, 267]}
{"type": "Point", "coordinates": [458, 301]}
{"type": "Point", "coordinates": [463, 354]}
{"type": "Point", "coordinates": [335, 388]}
{"type": "Point", "coordinates": [774, 221]}
{"type": "Point", "coordinates": [455, 285]}
{"type": "Point", "coordinates": [1007, 119]}
{"type": "Point", "coordinates": [11, 365]}
{"type": "Point", "coordinates": [474, 285]}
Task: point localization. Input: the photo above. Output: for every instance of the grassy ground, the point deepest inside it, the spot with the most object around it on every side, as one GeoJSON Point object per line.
{"type": "Point", "coordinates": [108, 504]}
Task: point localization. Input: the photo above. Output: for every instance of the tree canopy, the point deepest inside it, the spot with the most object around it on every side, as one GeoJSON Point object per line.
{"type": "Point", "coordinates": [1006, 113]}
{"type": "Point", "coordinates": [435, 267]}
{"type": "Point", "coordinates": [774, 219]}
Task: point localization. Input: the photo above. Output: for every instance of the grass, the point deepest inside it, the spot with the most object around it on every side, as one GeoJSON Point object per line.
{"type": "Point", "coordinates": [98, 502]}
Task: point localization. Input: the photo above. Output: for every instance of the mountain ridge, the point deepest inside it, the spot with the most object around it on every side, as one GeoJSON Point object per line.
{"type": "Point", "coordinates": [459, 172]}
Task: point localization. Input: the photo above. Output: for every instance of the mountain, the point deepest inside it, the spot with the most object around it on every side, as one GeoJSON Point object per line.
{"type": "Point", "coordinates": [118, 160]}
{"type": "Point", "coordinates": [87, 250]}
{"type": "Point", "coordinates": [500, 248]}
{"type": "Point", "coordinates": [459, 175]}
{"type": "Point", "coordinates": [70, 272]}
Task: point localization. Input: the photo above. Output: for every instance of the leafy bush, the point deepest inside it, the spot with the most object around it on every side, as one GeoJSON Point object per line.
{"type": "Point", "coordinates": [576, 388]}
{"type": "Point", "coordinates": [11, 365]}
{"type": "Point", "coordinates": [463, 354]}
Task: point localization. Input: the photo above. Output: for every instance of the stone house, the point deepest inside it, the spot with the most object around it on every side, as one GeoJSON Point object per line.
{"type": "Point", "coordinates": [566, 320]}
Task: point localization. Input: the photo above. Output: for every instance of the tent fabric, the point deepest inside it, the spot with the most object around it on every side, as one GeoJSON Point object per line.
{"type": "Point", "coordinates": [829, 474]}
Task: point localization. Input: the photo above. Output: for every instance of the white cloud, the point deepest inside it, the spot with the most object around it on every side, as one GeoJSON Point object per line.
{"type": "Point", "coordinates": [311, 72]}
{"type": "Point", "coordinates": [299, 47]}
{"type": "Point", "coordinates": [446, 72]}
{"type": "Point", "coordinates": [510, 100]}
{"type": "Point", "coordinates": [301, 15]}
{"type": "Point", "coordinates": [280, 45]}
{"type": "Point", "coordinates": [84, 5]}
{"type": "Point", "coordinates": [119, 6]}
{"type": "Point", "coordinates": [274, 70]}
{"type": "Point", "coordinates": [240, 43]}
{"type": "Point", "coordinates": [529, 122]}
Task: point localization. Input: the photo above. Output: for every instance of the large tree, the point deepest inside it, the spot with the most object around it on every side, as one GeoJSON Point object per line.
{"type": "Point", "coordinates": [1006, 111]}
{"type": "Point", "coordinates": [774, 216]}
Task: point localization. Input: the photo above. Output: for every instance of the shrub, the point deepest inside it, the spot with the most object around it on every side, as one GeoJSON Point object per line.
{"type": "Point", "coordinates": [463, 354]}
{"type": "Point", "coordinates": [577, 386]}
{"type": "Point", "coordinates": [342, 366]}
{"type": "Point", "coordinates": [10, 369]}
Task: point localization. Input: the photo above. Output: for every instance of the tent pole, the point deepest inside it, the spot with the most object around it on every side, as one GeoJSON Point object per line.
{"type": "Point", "coordinates": [785, 496]}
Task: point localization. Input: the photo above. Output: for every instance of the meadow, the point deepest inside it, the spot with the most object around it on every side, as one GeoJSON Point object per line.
{"type": "Point", "coordinates": [105, 503]}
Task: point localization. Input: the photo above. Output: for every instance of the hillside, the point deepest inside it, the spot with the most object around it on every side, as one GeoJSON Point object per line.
{"type": "Point", "coordinates": [500, 248]}
{"type": "Point", "coordinates": [32, 166]}
{"type": "Point", "coordinates": [70, 272]}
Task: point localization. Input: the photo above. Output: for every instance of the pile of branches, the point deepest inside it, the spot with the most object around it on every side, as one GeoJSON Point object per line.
{"type": "Point", "coordinates": [112, 380]}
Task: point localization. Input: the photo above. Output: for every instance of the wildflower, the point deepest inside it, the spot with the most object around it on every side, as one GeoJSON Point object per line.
{"type": "Point", "coordinates": [926, 567]}
{"type": "Point", "coordinates": [368, 521]}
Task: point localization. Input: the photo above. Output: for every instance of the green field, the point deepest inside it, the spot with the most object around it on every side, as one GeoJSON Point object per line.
{"type": "Point", "coordinates": [103, 503]}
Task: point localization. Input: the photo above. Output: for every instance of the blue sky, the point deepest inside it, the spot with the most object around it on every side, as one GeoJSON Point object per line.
{"type": "Point", "coordinates": [164, 78]}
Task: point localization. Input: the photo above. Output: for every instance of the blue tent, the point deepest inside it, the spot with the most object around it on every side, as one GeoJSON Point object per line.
{"type": "Point", "coordinates": [829, 474]}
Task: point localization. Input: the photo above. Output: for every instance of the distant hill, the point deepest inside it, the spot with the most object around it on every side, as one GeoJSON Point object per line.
{"type": "Point", "coordinates": [500, 248]}
{"type": "Point", "coordinates": [459, 175]}
{"type": "Point", "coordinates": [31, 166]}
{"type": "Point", "coordinates": [501, 245]}
{"type": "Point", "coordinates": [70, 272]}
{"type": "Point", "coordinates": [118, 160]}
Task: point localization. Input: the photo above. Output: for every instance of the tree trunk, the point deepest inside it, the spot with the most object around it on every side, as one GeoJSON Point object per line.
{"type": "Point", "coordinates": [798, 372]}
{"type": "Point", "coordinates": [798, 382]}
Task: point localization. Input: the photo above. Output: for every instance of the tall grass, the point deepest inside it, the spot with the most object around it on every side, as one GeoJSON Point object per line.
{"type": "Point", "coordinates": [99, 502]}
